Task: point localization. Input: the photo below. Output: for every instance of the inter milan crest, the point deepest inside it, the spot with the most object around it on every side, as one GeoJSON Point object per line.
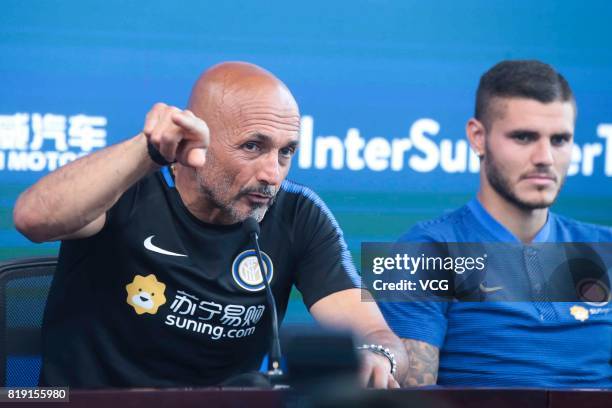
{"type": "Point", "coordinates": [246, 272]}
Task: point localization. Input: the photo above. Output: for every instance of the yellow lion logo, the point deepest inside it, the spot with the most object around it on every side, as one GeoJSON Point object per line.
{"type": "Point", "coordinates": [579, 313]}
{"type": "Point", "coordinates": [145, 294]}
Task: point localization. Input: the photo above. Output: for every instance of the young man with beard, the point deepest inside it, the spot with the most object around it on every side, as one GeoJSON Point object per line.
{"type": "Point", "coordinates": [523, 132]}
{"type": "Point", "coordinates": [157, 282]}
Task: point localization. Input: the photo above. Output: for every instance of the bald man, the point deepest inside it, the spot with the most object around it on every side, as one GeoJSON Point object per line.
{"type": "Point", "coordinates": [157, 283]}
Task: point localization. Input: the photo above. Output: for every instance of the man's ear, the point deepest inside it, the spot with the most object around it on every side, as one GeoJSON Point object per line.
{"type": "Point", "coordinates": [476, 132]}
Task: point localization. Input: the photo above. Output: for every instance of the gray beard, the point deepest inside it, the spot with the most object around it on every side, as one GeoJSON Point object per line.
{"type": "Point", "coordinates": [258, 211]}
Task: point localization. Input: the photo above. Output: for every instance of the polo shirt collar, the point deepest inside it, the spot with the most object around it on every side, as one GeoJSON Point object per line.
{"type": "Point", "coordinates": [501, 233]}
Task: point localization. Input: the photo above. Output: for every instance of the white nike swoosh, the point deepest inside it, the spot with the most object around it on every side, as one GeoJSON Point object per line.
{"type": "Point", "coordinates": [490, 289]}
{"type": "Point", "coordinates": [149, 245]}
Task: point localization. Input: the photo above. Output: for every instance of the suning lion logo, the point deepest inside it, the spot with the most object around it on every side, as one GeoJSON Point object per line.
{"type": "Point", "coordinates": [579, 313]}
{"type": "Point", "coordinates": [145, 294]}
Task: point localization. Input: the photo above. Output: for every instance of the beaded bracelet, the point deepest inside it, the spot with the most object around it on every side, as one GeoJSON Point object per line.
{"type": "Point", "coordinates": [383, 351]}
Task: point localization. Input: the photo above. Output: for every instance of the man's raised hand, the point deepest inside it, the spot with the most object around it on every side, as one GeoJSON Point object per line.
{"type": "Point", "coordinates": [177, 134]}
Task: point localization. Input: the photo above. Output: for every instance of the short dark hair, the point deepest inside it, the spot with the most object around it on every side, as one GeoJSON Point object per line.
{"type": "Point", "coordinates": [529, 79]}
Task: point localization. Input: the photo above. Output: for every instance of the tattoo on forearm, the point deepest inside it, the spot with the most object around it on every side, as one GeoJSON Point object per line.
{"type": "Point", "coordinates": [424, 360]}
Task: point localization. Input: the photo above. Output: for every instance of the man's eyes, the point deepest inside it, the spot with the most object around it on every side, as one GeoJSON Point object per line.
{"type": "Point", "coordinates": [250, 146]}
{"type": "Point", "coordinates": [287, 151]}
{"type": "Point", "coordinates": [256, 147]}
{"type": "Point", "coordinates": [555, 140]}
{"type": "Point", "coordinates": [559, 140]}
{"type": "Point", "coordinates": [523, 137]}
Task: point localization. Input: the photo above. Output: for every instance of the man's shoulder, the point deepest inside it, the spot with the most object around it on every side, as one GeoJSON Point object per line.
{"type": "Point", "coordinates": [299, 198]}
{"type": "Point", "coordinates": [572, 230]}
{"type": "Point", "coordinates": [301, 207]}
{"type": "Point", "coordinates": [296, 190]}
{"type": "Point", "coordinates": [449, 227]}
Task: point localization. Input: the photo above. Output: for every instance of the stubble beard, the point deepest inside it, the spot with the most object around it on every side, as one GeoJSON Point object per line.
{"type": "Point", "coordinates": [216, 186]}
{"type": "Point", "coordinates": [500, 183]}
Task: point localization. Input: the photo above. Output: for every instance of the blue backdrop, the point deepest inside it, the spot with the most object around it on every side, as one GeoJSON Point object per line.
{"type": "Point", "coordinates": [396, 78]}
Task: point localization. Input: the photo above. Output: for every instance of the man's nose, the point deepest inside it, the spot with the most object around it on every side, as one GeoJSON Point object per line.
{"type": "Point", "coordinates": [269, 171]}
{"type": "Point", "coordinates": [543, 153]}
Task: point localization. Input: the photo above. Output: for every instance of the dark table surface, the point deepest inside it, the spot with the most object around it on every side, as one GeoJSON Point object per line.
{"type": "Point", "coordinates": [236, 397]}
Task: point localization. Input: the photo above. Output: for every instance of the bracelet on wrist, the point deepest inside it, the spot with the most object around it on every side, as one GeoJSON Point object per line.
{"type": "Point", "coordinates": [383, 351]}
{"type": "Point", "coordinates": [156, 156]}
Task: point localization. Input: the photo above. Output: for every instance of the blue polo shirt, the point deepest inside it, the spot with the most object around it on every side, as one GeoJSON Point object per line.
{"type": "Point", "coordinates": [509, 344]}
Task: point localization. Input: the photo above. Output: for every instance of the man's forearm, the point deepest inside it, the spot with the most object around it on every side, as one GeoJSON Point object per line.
{"type": "Point", "coordinates": [78, 193]}
{"type": "Point", "coordinates": [387, 339]}
{"type": "Point", "coordinates": [347, 310]}
{"type": "Point", "coordinates": [424, 362]}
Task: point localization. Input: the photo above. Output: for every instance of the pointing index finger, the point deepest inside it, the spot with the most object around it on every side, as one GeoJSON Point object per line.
{"type": "Point", "coordinates": [194, 127]}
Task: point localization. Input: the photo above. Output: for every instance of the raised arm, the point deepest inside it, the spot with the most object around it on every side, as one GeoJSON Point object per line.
{"type": "Point", "coordinates": [72, 201]}
{"type": "Point", "coordinates": [423, 363]}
